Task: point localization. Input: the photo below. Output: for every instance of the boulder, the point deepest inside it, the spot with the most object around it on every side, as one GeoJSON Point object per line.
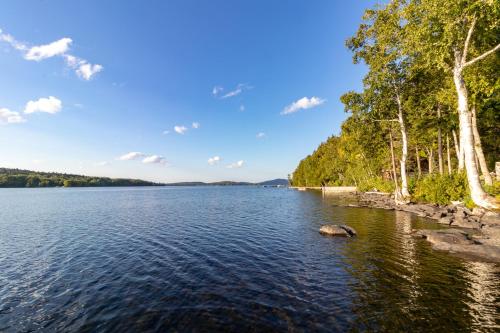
{"type": "Point", "coordinates": [337, 230]}
{"type": "Point", "coordinates": [464, 222]}
{"type": "Point", "coordinates": [490, 218]}
{"type": "Point", "coordinates": [459, 242]}
{"type": "Point", "coordinates": [349, 230]}
{"type": "Point", "coordinates": [446, 220]}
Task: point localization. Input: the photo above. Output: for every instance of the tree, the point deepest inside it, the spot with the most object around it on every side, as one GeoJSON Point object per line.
{"type": "Point", "coordinates": [447, 34]}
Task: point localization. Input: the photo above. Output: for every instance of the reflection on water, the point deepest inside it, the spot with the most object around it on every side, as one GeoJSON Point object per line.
{"type": "Point", "coordinates": [227, 259]}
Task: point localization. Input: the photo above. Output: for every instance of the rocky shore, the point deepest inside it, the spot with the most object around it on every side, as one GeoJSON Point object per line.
{"type": "Point", "coordinates": [473, 233]}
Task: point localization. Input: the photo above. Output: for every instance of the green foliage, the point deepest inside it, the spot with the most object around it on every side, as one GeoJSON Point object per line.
{"type": "Point", "coordinates": [410, 49]}
{"type": "Point", "coordinates": [25, 178]}
{"type": "Point", "coordinates": [441, 189]}
{"type": "Point", "coordinates": [376, 183]}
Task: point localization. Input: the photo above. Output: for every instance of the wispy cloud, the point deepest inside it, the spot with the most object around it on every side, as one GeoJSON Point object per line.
{"type": "Point", "coordinates": [260, 135]}
{"type": "Point", "coordinates": [134, 155]}
{"type": "Point", "coordinates": [218, 91]}
{"type": "Point", "coordinates": [235, 165]}
{"type": "Point", "coordinates": [10, 117]}
{"type": "Point", "coordinates": [302, 104]}
{"type": "Point", "coordinates": [214, 160]}
{"type": "Point", "coordinates": [154, 159]}
{"type": "Point", "coordinates": [196, 125]}
{"type": "Point", "coordinates": [48, 105]}
{"type": "Point", "coordinates": [38, 53]}
{"type": "Point", "coordinates": [82, 67]}
{"type": "Point", "coordinates": [180, 129]}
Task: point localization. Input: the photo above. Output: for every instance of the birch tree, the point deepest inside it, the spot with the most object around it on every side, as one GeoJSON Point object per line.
{"type": "Point", "coordinates": [456, 35]}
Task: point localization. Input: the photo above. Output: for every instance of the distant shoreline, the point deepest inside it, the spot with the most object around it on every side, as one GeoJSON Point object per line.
{"type": "Point", "coordinates": [19, 178]}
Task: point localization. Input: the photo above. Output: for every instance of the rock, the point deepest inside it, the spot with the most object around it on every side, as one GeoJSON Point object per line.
{"type": "Point", "coordinates": [462, 222]}
{"type": "Point", "coordinates": [458, 241]}
{"type": "Point", "coordinates": [491, 235]}
{"type": "Point", "coordinates": [490, 218]}
{"type": "Point", "coordinates": [463, 210]}
{"type": "Point", "coordinates": [477, 211]}
{"type": "Point", "coordinates": [337, 230]}
{"type": "Point", "coordinates": [446, 220]}
{"type": "Point", "coordinates": [333, 230]}
{"type": "Point", "coordinates": [451, 208]}
{"type": "Point", "coordinates": [439, 214]}
{"type": "Point", "coordinates": [349, 230]}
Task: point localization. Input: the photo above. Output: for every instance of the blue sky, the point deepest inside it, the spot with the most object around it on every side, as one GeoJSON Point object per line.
{"type": "Point", "coordinates": [122, 74]}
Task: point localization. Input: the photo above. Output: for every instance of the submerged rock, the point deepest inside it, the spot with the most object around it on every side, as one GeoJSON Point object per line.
{"type": "Point", "coordinates": [337, 230]}
{"type": "Point", "coordinates": [460, 242]}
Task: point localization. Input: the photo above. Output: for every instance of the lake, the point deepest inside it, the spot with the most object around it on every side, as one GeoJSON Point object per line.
{"type": "Point", "coordinates": [236, 259]}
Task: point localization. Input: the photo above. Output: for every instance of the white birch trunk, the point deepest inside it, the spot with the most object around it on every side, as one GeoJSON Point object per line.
{"type": "Point", "coordinates": [479, 150]}
{"type": "Point", "coordinates": [448, 153]}
{"type": "Point", "coordinates": [404, 155]}
{"type": "Point", "coordinates": [478, 195]}
{"type": "Point", "coordinates": [455, 141]}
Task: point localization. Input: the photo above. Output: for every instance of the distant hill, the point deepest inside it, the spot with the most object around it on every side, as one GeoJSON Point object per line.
{"type": "Point", "coordinates": [275, 182]}
{"type": "Point", "coordinates": [27, 178]}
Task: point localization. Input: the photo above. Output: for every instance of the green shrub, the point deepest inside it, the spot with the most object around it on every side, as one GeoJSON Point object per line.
{"type": "Point", "coordinates": [441, 189]}
{"type": "Point", "coordinates": [377, 183]}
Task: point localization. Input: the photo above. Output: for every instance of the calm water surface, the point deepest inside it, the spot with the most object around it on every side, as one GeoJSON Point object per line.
{"type": "Point", "coordinates": [226, 259]}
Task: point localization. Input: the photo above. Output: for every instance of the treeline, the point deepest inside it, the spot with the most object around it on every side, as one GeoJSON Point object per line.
{"type": "Point", "coordinates": [427, 121]}
{"type": "Point", "coordinates": [26, 178]}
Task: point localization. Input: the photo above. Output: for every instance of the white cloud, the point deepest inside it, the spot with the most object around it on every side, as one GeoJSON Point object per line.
{"type": "Point", "coordinates": [134, 155]}
{"type": "Point", "coordinates": [180, 129]}
{"type": "Point", "coordinates": [49, 105]}
{"type": "Point", "coordinates": [86, 70]}
{"type": "Point", "coordinates": [260, 135]}
{"type": "Point", "coordinates": [214, 160]}
{"type": "Point", "coordinates": [218, 90]}
{"type": "Point", "coordinates": [10, 117]}
{"type": "Point", "coordinates": [12, 41]}
{"type": "Point", "coordinates": [196, 125]}
{"type": "Point", "coordinates": [154, 159]}
{"type": "Point", "coordinates": [165, 132]}
{"type": "Point", "coordinates": [82, 67]}
{"type": "Point", "coordinates": [303, 103]}
{"type": "Point", "coordinates": [41, 52]}
{"type": "Point", "coordinates": [235, 165]}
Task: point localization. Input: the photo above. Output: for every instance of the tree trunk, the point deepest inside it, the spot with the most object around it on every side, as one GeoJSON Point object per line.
{"type": "Point", "coordinates": [397, 193]}
{"type": "Point", "coordinates": [440, 143]}
{"type": "Point", "coordinates": [479, 149]}
{"type": "Point", "coordinates": [418, 162]}
{"type": "Point", "coordinates": [448, 153]}
{"type": "Point", "coordinates": [455, 141]}
{"type": "Point", "coordinates": [430, 160]}
{"type": "Point", "coordinates": [478, 195]}
{"type": "Point", "coordinates": [404, 155]}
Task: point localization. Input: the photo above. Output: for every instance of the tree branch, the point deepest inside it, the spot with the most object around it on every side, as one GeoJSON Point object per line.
{"type": "Point", "coordinates": [467, 40]}
{"type": "Point", "coordinates": [482, 56]}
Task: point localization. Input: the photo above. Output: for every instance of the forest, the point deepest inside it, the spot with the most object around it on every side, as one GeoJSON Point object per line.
{"type": "Point", "coordinates": [26, 178]}
{"type": "Point", "coordinates": [426, 125]}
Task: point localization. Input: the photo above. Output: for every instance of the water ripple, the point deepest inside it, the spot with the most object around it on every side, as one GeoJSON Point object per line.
{"type": "Point", "coordinates": [226, 259]}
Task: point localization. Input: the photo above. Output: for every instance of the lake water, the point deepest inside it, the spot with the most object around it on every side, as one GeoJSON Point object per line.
{"type": "Point", "coordinates": [237, 259]}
